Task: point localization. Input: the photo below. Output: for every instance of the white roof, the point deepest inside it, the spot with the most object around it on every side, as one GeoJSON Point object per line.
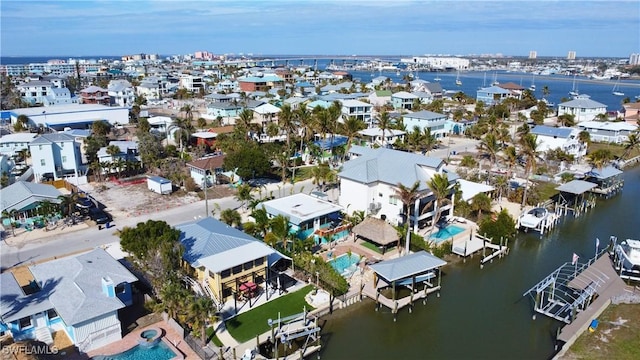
{"type": "Point", "coordinates": [267, 109]}
{"type": "Point", "coordinates": [205, 135]}
{"type": "Point", "coordinates": [470, 189]}
{"type": "Point", "coordinates": [159, 120]}
{"type": "Point", "coordinates": [354, 103]}
{"type": "Point", "coordinates": [61, 109]}
{"type": "Point", "coordinates": [378, 132]}
{"type": "Point", "coordinates": [17, 138]}
{"type": "Point", "coordinates": [300, 207]}
{"type": "Point", "coordinates": [614, 126]}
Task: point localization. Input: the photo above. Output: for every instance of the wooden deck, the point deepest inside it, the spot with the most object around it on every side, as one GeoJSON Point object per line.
{"type": "Point", "coordinates": [397, 304]}
{"type": "Point", "coordinates": [612, 287]}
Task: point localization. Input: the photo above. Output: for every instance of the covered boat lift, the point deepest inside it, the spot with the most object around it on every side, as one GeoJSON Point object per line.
{"type": "Point", "coordinates": [608, 180]}
{"type": "Point", "coordinates": [572, 197]}
{"type": "Point", "coordinates": [415, 269]}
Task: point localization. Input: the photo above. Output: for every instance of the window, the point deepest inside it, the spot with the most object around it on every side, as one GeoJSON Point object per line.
{"type": "Point", "coordinates": [121, 288]}
{"type": "Point", "coordinates": [259, 261]}
{"type": "Point", "coordinates": [393, 200]}
{"type": "Point", "coordinates": [225, 273]}
{"type": "Point", "coordinates": [52, 314]}
{"type": "Point", "coordinates": [64, 159]}
{"type": "Point", "coordinates": [248, 265]}
{"type": "Point", "coordinates": [61, 144]}
{"type": "Point", "coordinates": [237, 269]}
{"type": "Point", "coordinates": [25, 322]}
{"type": "Point", "coordinates": [42, 162]}
{"type": "Point", "coordinates": [39, 147]}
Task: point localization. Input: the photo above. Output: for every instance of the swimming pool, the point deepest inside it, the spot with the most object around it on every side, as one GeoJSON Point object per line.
{"type": "Point", "coordinates": [344, 264]}
{"type": "Point", "coordinates": [158, 352]}
{"type": "Point", "coordinates": [446, 233]}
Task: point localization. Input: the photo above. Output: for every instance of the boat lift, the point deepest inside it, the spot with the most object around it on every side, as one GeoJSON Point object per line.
{"type": "Point", "coordinates": [294, 327]}
{"type": "Point", "coordinates": [568, 290]}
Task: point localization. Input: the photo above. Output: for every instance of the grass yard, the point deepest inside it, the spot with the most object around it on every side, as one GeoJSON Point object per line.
{"type": "Point", "coordinates": [247, 325]}
{"type": "Point", "coordinates": [371, 246]}
{"type": "Point", "coordinates": [213, 337]}
{"type": "Point", "coordinates": [617, 336]}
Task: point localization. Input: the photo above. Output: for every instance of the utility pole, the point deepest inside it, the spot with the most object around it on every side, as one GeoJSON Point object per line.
{"type": "Point", "coordinates": [206, 201]}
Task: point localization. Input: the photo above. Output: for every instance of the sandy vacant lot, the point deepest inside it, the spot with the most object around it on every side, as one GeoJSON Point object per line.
{"type": "Point", "coordinates": [132, 200]}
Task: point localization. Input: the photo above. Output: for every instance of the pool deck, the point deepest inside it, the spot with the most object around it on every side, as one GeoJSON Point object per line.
{"type": "Point", "coordinates": [172, 338]}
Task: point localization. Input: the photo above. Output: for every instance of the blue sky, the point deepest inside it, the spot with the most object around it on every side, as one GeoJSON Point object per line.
{"type": "Point", "coordinates": [374, 27]}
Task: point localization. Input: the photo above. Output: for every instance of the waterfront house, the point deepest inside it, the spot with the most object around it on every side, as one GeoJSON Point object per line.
{"type": "Point", "coordinates": [563, 138]}
{"type": "Point", "coordinates": [427, 119]}
{"type": "Point", "coordinates": [94, 95]}
{"type": "Point", "coordinates": [403, 100]}
{"type": "Point", "coordinates": [610, 132]}
{"type": "Point", "coordinates": [309, 217]}
{"type": "Point", "coordinates": [369, 183]}
{"type": "Point", "coordinates": [608, 179]}
{"type": "Point", "coordinates": [223, 258]}
{"type": "Point", "coordinates": [56, 156]}
{"type": "Point", "coordinates": [631, 113]}
{"type": "Point", "coordinates": [515, 89]}
{"type": "Point", "coordinates": [79, 296]}
{"type": "Point", "coordinates": [582, 108]}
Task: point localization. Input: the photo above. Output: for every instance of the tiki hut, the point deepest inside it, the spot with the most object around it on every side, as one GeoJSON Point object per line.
{"type": "Point", "coordinates": [378, 232]}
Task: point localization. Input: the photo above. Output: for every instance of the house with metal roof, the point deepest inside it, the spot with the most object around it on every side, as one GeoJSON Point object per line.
{"type": "Point", "coordinates": [359, 109]}
{"type": "Point", "coordinates": [206, 168]}
{"type": "Point", "coordinates": [493, 95]}
{"type": "Point", "coordinates": [11, 144]}
{"type": "Point", "coordinates": [20, 201]}
{"type": "Point", "coordinates": [427, 119]}
{"type": "Point", "coordinates": [582, 108]}
{"type": "Point", "coordinates": [370, 181]}
{"type": "Point", "coordinates": [128, 151]}
{"type": "Point", "coordinates": [78, 295]}
{"type": "Point", "coordinates": [225, 258]}
{"type": "Point", "coordinates": [72, 115]}
{"type": "Point", "coordinates": [379, 97]}
{"type": "Point", "coordinates": [403, 100]}
{"type": "Point", "coordinates": [610, 132]}
{"type": "Point", "coordinates": [375, 137]}
{"type": "Point", "coordinates": [309, 216]}
{"type": "Point", "coordinates": [56, 156]}
{"type": "Point", "coordinates": [563, 138]}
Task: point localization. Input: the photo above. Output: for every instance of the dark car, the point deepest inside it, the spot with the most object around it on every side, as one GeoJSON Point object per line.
{"type": "Point", "coordinates": [84, 203]}
{"type": "Point", "coordinates": [101, 217]}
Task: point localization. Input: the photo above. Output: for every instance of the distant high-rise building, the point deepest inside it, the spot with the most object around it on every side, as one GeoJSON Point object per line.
{"type": "Point", "coordinates": [634, 59]}
{"type": "Point", "coordinates": [533, 54]}
{"type": "Point", "coordinates": [571, 55]}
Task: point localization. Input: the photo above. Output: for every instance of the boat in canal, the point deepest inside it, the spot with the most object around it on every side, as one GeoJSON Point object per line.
{"type": "Point", "coordinates": [629, 252]}
{"type": "Point", "coordinates": [534, 218]}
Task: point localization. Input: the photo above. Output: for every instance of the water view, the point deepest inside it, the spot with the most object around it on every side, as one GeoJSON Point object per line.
{"type": "Point", "coordinates": [482, 314]}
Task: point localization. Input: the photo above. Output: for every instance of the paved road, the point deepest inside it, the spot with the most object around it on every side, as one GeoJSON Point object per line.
{"type": "Point", "coordinates": [14, 253]}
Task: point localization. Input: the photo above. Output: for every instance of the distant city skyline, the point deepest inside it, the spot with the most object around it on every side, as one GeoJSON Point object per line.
{"type": "Point", "coordinates": [375, 27]}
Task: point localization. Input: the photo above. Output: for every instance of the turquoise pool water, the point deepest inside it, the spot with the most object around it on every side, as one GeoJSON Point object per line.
{"type": "Point", "coordinates": [158, 352]}
{"type": "Point", "coordinates": [345, 264]}
{"type": "Point", "coordinates": [446, 233]}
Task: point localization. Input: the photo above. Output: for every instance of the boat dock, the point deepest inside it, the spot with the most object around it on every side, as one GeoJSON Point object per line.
{"type": "Point", "coordinates": [475, 243]}
{"type": "Point", "coordinates": [576, 294]}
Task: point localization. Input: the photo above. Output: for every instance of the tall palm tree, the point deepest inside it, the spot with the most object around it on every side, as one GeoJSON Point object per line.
{"type": "Point", "coordinates": [384, 123]}
{"type": "Point", "coordinates": [243, 194]}
{"type": "Point", "coordinates": [510, 157]}
{"type": "Point", "coordinates": [200, 313]}
{"type": "Point", "coordinates": [173, 297]}
{"type": "Point", "coordinates": [490, 147]}
{"type": "Point", "coordinates": [245, 119]}
{"type": "Point", "coordinates": [68, 204]}
{"type": "Point", "coordinates": [280, 229]}
{"type": "Point", "coordinates": [633, 142]}
{"type": "Point", "coordinates": [286, 120]}
{"type": "Point", "coordinates": [408, 196]}
{"type": "Point", "coordinates": [304, 119]}
{"type": "Point", "coordinates": [185, 128]}
{"type": "Point", "coordinates": [113, 151]}
{"type": "Point", "coordinates": [601, 157]}
{"type": "Point", "coordinates": [529, 150]}
{"type": "Point", "coordinates": [350, 129]}
{"type": "Point", "coordinates": [187, 109]}
{"type": "Point", "coordinates": [231, 217]}
{"type": "Point", "coordinates": [440, 188]}
{"type": "Point", "coordinates": [322, 174]}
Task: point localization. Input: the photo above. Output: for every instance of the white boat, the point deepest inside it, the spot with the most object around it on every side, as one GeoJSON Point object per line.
{"type": "Point", "coordinates": [629, 252]}
{"type": "Point", "coordinates": [615, 90]}
{"type": "Point", "coordinates": [437, 78]}
{"type": "Point", "coordinates": [458, 81]}
{"type": "Point", "coordinates": [495, 81]}
{"type": "Point", "coordinates": [533, 218]}
{"type": "Point", "coordinates": [533, 85]}
{"type": "Point", "coordinates": [574, 89]}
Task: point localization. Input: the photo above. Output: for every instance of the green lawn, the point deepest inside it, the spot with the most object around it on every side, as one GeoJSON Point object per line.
{"type": "Point", "coordinates": [247, 325]}
{"type": "Point", "coordinates": [371, 246]}
{"type": "Point", "coordinates": [213, 338]}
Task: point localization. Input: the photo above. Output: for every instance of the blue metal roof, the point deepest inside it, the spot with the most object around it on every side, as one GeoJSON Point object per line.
{"type": "Point", "coordinates": [561, 132]}
{"type": "Point", "coordinates": [407, 266]}
{"type": "Point", "coordinates": [330, 143]}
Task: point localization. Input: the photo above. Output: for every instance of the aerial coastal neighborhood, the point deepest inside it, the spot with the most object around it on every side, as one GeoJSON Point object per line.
{"type": "Point", "coordinates": [219, 206]}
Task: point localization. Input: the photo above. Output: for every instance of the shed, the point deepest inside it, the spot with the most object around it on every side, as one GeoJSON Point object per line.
{"type": "Point", "coordinates": [159, 185]}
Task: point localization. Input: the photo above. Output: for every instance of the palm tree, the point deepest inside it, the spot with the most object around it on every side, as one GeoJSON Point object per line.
{"type": "Point", "coordinates": [384, 122]}
{"type": "Point", "coordinates": [633, 142]}
{"type": "Point", "coordinates": [322, 174]}
{"type": "Point", "coordinates": [567, 120]}
{"type": "Point", "coordinates": [119, 164]}
{"type": "Point", "coordinates": [286, 120]}
{"type": "Point", "coordinates": [481, 202]}
{"type": "Point", "coordinates": [280, 229]}
{"type": "Point", "coordinates": [305, 121]}
{"type": "Point", "coordinates": [489, 146]}
{"type": "Point", "coordinates": [510, 157]}
{"type": "Point", "coordinates": [243, 194]}
{"type": "Point", "coordinates": [231, 217]}
{"type": "Point", "coordinates": [200, 313]}
{"type": "Point", "coordinates": [245, 119]}
{"type": "Point", "coordinates": [501, 183]}
{"type": "Point", "coordinates": [185, 128]}
{"type": "Point", "coordinates": [350, 129]}
{"type": "Point", "coordinates": [113, 151]}
{"type": "Point", "coordinates": [173, 297]}
{"type": "Point", "coordinates": [601, 157]}
{"type": "Point", "coordinates": [104, 166]}
{"type": "Point", "coordinates": [187, 109]}
{"type": "Point", "coordinates": [529, 149]}
{"type": "Point", "coordinates": [408, 196]}
{"type": "Point", "coordinates": [68, 204]}
{"type": "Point", "coordinates": [440, 188]}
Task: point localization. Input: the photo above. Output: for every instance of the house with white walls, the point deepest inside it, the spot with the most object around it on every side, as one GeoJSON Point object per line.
{"type": "Point", "coordinates": [78, 296]}
{"type": "Point", "coordinates": [56, 156]}
{"type": "Point", "coordinates": [582, 108]}
{"type": "Point", "coordinates": [611, 132]}
{"type": "Point", "coordinates": [427, 119]}
{"type": "Point", "coordinates": [563, 138]}
{"type": "Point", "coordinates": [369, 182]}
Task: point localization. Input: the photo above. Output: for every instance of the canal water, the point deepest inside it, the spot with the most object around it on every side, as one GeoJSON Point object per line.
{"type": "Point", "coordinates": [481, 313]}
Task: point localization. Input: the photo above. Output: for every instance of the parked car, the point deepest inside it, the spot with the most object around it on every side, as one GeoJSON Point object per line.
{"type": "Point", "coordinates": [101, 217]}
{"type": "Point", "coordinates": [84, 203]}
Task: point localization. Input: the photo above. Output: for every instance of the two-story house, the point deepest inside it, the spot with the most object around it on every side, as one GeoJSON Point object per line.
{"type": "Point", "coordinates": [121, 93]}
{"type": "Point", "coordinates": [94, 95]}
{"type": "Point", "coordinates": [12, 144]}
{"type": "Point", "coordinates": [56, 156]}
{"type": "Point", "coordinates": [563, 138]}
{"type": "Point", "coordinates": [427, 119]}
{"type": "Point", "coordinates": [192, 83]}
{"type": "Point", "coordinates": [403, 100]}
{"type": "Point", "coordinates": [369, 183]}
{"type": "Point", "coordinates": [358, 109]}
{"type": "Point", "coordinates": [611, 132]}
{"type": "Point", "coordinates": [35, 91]}
{"type": "Point", "coordinates": [582, 108]}
{"type": "Point", "coordinates": [492, 95]}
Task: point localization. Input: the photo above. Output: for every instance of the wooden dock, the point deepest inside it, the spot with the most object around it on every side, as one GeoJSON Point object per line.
{"type": "Point", "coordinates": [466, 247]}
{"type": "Point", "coordinates": [395, 305]}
